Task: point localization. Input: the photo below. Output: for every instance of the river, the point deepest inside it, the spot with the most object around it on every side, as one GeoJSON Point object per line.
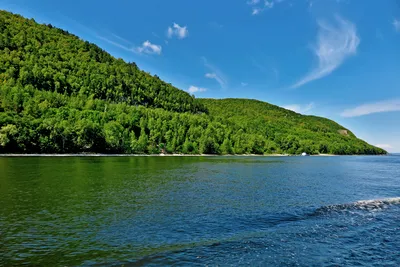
{"type": "Point", "coordinates": [202, 211]}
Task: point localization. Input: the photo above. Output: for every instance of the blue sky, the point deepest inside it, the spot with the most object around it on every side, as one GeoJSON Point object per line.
{"type": "Point", "coordinates": [334, 58]}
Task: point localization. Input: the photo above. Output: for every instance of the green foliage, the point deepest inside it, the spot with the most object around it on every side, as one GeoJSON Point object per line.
{"type": "Point", "coordinates": [142, 142]}
{"type": "Point", "coordinates": [257, 127]}
{"type": "Point", "coordinates": [189, 148]}
{"type": "Point", "coordinates": [114, 135]}
{"type": "Point", "coordinates": [49, 122]}
{"type": "Point", "coordinates": [59, 94]}
{"type": "Point", "coordinates": [7, 134]}
{"type": "Point", "coordinates": [51, 59]}
{"type": "Point", "coordinates": [226, 147]}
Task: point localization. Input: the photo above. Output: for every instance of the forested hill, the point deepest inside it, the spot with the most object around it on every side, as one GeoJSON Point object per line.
{"type": "Point", "coordinates": [60, 94]}
{"type": "Point", "coordinates": [51, 59]}
{"type": "Point", "coordinates": [289, 131]}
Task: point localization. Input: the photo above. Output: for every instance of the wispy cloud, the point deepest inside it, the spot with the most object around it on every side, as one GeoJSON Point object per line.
{"type": "Point", "coordinates": [215, 74]}
{"type": "Point", "coordinates": [259, 66]}
{"type": "Point", "coordinates": [269, 4]}
{"type": "Point", "coordinates": [378, 107]}
{"type": "Point", "coordinates": [300, 108]}
{"type": "Point", "coordinates": [194, 89]}
{"type": "Point", "coordinates": [256, 11]}
{"type": "Point", "coordinates": [276, 73]}
{"type": "Point", "coordinates": [259, 6]}
{"type": "Point", "coordinates": [396, 25]}
{"type": "Point", "coordinates": [155, 35]}
{"type": "Point", "coordinates": [244, 84]}
{"type": "Point", "coordinates": [149, 48]}
{"type": "Point", "coordinates": [266, 69]}
{"type": "Point", "coordinates": [384, 146]}
{"type": "Point", "coordinates": [178, 31]}
{"type": "Point", "coordinates": [215, 25]}
{"type": "Point", "coordinates": [146, 48]}
{"type": "Point", "coordinates": [120, 38]}
{"type": "Point", "coordinates": [334, 45]}
{"type": "Point", "coordinates": [217, 78]}
{"type": "Point", "coordinates": [114, 43]}
{"type": "Point", "coordinates": [259, 10]}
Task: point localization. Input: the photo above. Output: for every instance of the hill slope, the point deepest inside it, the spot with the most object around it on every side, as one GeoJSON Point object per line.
{"type": "Point", "coordinates": [288, 131]}
{"type": "Point", "coordinates": [59, 94]}
{"type": "Point", "coordinates": [51, 59]}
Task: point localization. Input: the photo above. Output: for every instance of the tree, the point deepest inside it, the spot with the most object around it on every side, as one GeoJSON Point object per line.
{"type": "Point", "coordinates": [7, 134]}
{"type": "Point", "coordinates": [208, 146]}
{"type": "Point", "coordinates": [188, 147]}
{"type": "Point", "coordinates": [226, 147]}
{"type": "Point", "coordinates": [113, 132]}
{"type": "Point", "coordinates": [142, 142]}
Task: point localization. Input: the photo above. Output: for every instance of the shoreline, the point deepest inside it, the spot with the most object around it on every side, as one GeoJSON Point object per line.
{"type": "Point", "coordinates": [138, 155]}
{"type": "Point", "coordinates": [168, 155]}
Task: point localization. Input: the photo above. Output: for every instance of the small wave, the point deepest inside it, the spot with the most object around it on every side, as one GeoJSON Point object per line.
{"type": "Point", "coordinates": [258, 227]}
{"type": "Point", "coordinates": [368, 205]}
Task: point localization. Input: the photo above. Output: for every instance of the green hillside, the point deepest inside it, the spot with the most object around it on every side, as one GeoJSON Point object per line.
{"type": "Point", "coordinates": [51, 59]}
{"type": "Point", "coordinates": [60, 94]}
{"type": "Point", "coordinates": [286, 130]}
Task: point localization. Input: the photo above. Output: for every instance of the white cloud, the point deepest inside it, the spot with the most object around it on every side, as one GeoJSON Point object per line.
{"type": "Point", "coordinates": [269, 4]}
{"type": "Point", "coordinates": [217, 78]}
{"type": "Point", "coordinates": [149, 48]}
{"type": "Point", "coordinates": [396, 25]}
{"type": "Point", "coordinates": [378, 107]}
{"type": "Point", "coordinates": [215, 74]}
{"type": "Point", "coordinates": [117, 44]}
{"type": "Point", "coordinates": [384, 146]}
{"type": "Point", "coordinates": [178, 31]}
{"type": "Point", "coordinates": [145, 48]}
{"type": "Point", "coordinates": [294, 107]}
{"type": "Point", "coordinates": [243, 84]}
{"type": "Point", "coordinates": [300, 108]}
{"type": "Point", "coordinates": [211, 75]}
{"type": "Point", "coordinates": [334, 46]}
{"type": "Point", "coordinates": [253, 2]}
{"type": "Point", "coordinates": [194, 89]}
{"type": "Point", "coordinates": [256, 11]}
{"type": "Point", "coordinates": [258, 8]}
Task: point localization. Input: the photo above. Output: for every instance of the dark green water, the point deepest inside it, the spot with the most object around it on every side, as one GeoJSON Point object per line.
{"type": "Point", "coordinates": [181, 211]}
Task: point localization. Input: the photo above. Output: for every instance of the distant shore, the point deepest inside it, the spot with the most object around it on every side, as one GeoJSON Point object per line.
{"type": "Point", "coordinates": [160, 155]}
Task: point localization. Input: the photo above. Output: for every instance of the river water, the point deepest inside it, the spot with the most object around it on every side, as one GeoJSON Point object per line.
{"type": "Point", "coordinates": [201, 211]}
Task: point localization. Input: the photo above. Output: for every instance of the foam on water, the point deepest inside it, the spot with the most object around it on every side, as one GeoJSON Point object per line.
{"type": "Point", "coordinates": [262, 230]}
{"type": "Point", "coordinates": [368, 205]}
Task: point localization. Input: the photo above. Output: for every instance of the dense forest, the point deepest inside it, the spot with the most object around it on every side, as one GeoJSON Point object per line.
{"type": "Point", "coordinates": [60, 94]}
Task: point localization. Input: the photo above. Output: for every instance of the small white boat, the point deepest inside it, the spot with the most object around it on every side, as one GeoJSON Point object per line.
{"type": "Point", "coordinates": [304, 154]}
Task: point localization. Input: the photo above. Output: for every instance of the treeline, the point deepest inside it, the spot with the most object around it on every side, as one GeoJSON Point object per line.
{"type": "Point", "coordinates": [51, 59]}
{"type": "Point", "coordinates": [34, 121]}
